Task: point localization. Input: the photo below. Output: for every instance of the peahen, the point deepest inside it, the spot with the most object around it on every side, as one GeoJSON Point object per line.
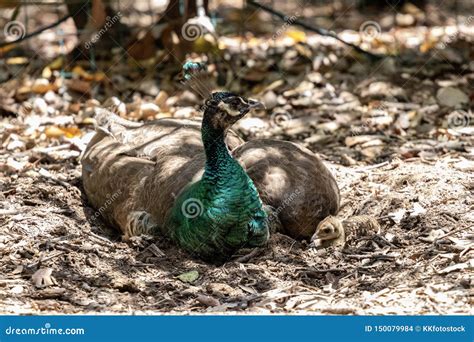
{"type": "Point", "coordinates": [149, 179]}
{"type": "Point", "coordinates": [133, 173]}
{"type": "Point", "coordinates": [296, 187]}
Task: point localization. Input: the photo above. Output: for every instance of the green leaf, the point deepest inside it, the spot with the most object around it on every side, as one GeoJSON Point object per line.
{"type": "Point", "coordinates": [189, 277]}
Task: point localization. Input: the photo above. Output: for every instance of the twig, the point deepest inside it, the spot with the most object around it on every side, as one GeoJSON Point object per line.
{"type": "Point", "coordinates": [454, 231]}
{"type": "Point", "coordinates": [53, 148]}
{"type": "Point", "coordinates": [49, 257]}
{"type": "Point", "coordinates": [370, 256]}
{"type": "Point", "coordinates": [466, 250]}
{"type": "Point", "coordinates": [372, 167]}
{"type": "Point", "coordinates": [316, 273]}
{"type": "Point", "coordinates": [100, 239]}
{"type": "Point", "coordinates": [37, 32]}
{"type": "Point", "coordinates": [247, 257]}
{"type": "Point", "coordinates": [340, 311]}
{"type": "Point", "coordinates": [8, 212]}
{"type": "Point", "coordinates": [142, 264]}
{"type": "Point", "coordinates": [45, 173]}
{"type": "Point", "coordinates": [317, 30]}
{"type": "Point", "coordinates": [327, 270]}
{"type": "Point", "coordinates": [378, 236]}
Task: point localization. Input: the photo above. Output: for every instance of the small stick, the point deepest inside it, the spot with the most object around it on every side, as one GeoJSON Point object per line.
{"type": "Point", "coordinates": [7, 212]}
{"type": "Point", "coordinates": [309, 272]}
{"type": "Point", "coordinates": [100, 238]}
{"type": "Point", "coordinates": [248, 256]}
{"type": "Point", "coordinates": [371, 167]}
{"type": "Point", "coordinates": [371, 256]}
{"type": "Point", "coordinates": [49, 257]}
{"type": "Point", "coordinates": [317, 30]}
{"type": "Point", "coordinates": [454, 231]}
{"type": "Point", "coordinates": [37, 32]}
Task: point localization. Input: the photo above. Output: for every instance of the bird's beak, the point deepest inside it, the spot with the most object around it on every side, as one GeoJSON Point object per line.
{"type": "Point", "coordinates": [315, 243]}
{"type": "Point", "coordinates": [254, 104]}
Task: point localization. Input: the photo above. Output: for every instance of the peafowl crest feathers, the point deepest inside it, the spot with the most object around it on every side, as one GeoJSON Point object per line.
{"type": "Point", "coordinates": [197, 79]}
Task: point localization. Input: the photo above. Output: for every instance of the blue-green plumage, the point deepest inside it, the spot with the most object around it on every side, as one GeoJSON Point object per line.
{"type": "Point", "coordinates": [221, 212]}
{"type": "Point", "coordinates": [190, 68]}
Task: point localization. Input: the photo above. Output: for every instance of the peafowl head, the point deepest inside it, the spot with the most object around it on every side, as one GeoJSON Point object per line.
{"type": "Point", "coordinates": [223, 109]}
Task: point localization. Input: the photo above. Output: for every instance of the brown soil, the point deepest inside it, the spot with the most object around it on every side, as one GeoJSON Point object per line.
{"type": "Point", "coordinates": [413, 271]}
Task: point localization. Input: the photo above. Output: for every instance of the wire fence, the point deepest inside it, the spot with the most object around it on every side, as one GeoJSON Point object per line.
{"type": "Point", "coordinates": [21, 19]}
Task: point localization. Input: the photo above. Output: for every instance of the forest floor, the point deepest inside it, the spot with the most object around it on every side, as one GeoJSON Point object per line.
{"type": "Point", "coordinates": [397, 135]}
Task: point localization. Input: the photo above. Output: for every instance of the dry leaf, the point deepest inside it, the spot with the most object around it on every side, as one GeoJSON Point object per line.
{"type": "Point", "coordinates": [296, 35]}
{"type": "Point", "coordinates": [68, 132]}
{"type": "Point", "coordinates": [207, 300]}
{"type": "Point", "coordinates": [42, 86]}
{"type": "Point", "coordinates": [87, 76]}
{"type": "Point", "coordinates": [456, 267]}
{"type": "Point", "coordinates": [82, 87]}
{"type": "Point", "coordinates": [18, 270]}
{"type": "Point", "coordinates": [43, 278]}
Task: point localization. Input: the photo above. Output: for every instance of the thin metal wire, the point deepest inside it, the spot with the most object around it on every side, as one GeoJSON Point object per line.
{"type": "Point", "coordinates": [14, 3]}
{"type": "Point", "coordinates": [459, 7]}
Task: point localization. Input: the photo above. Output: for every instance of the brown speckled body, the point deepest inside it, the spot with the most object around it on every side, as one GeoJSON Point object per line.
{"type": "Point", "coordinates": [294, 181]}
{"type": "Point", "coordinates": [142, 167]}
{"type": "Point", "coordinates": [132, 169]}
{"type": "Point", "coordinates": [332, 232]}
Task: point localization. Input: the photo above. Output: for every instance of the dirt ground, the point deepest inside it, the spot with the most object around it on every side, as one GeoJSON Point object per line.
{"type": "Point", "coordinates": [423, 267]}
{"type": "Point", "coordinates": [401, 152]}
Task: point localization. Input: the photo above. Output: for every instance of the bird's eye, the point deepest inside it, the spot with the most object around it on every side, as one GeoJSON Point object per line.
{"type": "Point", "coordinates": [235, 102]}
{"type": "Point", "coordinates": [326, 230]}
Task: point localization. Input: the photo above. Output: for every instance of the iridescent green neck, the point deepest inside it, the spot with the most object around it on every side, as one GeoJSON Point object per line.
{"type": "Point", "coordinates": [218, 157]}
{"type": "Point", "coordinates": [228, 212]}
